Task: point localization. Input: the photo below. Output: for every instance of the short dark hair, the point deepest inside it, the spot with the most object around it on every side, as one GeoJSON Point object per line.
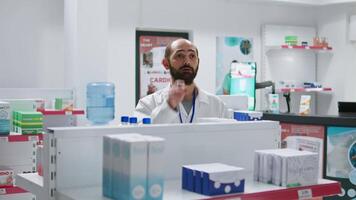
{"type": "Point", "coordinates": [168, 50]}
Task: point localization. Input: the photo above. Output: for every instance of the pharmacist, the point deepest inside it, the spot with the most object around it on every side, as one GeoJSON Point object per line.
{"type": "Point", "coordinates": [182, 101]}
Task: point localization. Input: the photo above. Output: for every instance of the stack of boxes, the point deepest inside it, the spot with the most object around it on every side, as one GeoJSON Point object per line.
{"type": "Point", "coordinates": [213, 179]}
{"type": "Point", "coordinates": [27, 122]}
{"type": "Point", "coordinates": [4, 118]}
{"type": "Point", "coordinates": [6, 177]}
{"type": "Point", "coordinates": [286, 167]}
{"type": "Point", "coordinates": [132, 167]}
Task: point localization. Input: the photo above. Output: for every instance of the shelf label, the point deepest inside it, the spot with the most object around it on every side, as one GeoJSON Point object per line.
{"type": "Point", "coordinates": [4, 139]}
{"type": "Point", "coordinates": [233, 198]}
{"type": "Point", "coordinates": [32, 138]}
{"type": "Point", "coordinates": [67, 112]}
{"type": "Point", "coordinates": [2, 191]}
{"type": "Point", "coordinates": [305, 194]}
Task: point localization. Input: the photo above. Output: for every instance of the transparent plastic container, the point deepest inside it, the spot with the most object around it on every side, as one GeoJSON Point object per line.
{"type": "Point", "coordinates": [100, 102]}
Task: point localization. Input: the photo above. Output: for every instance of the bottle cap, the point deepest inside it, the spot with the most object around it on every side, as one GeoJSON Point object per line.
{"type": "Point", "coordinates": [124, 118]}
{"type": "Point", "coordinates": [133, 120]}
{"type": "Point", "coordinates": [146, 120]}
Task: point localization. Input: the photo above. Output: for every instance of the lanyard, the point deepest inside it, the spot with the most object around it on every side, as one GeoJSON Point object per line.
{"type": "Point", "coordinates": [193, 110]}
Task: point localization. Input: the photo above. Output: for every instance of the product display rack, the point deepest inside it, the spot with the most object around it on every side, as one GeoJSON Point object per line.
{"type": "Point", "coordinates": [285, 90]}
{"type": "Point", "coordinates": [64, 177]}
{"type": "Point", "coordinates": [253, 190]}
{"type": "Point", "coordinates": [292, 63]}
{"type": "Point", "coordinates": [61, 112]}
{"type": "Point", "coordinates": [11, 190]}
{"type": "Point", "coordinates": [315, 49]}
{"type": "Point", "coordinates": [19, 153]}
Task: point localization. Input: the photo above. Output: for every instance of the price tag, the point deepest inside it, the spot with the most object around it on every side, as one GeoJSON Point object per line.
{"type": "Point", "coordinates": [68, 112]}
{"type": "Point", "coordinates": [307, 47]}
{"type": "Point", "coordinates": [2, 191]}
{"type": "Point", "coordinates": [32, 138]}
{"type": "Point", "coordinates": [305, 194]}
{"type": "Point", "coordinates": [290, 47]}
{"type": "Point", "coordinates": [4, 139]}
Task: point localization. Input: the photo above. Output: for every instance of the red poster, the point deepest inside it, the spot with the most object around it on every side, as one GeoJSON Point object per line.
{"type": "Point", "coordinates": [153, 75]}
{"type": "Point", "coordinates": [302, 130]}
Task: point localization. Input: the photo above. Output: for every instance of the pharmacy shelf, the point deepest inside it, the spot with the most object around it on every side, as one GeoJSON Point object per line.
{"type": "Point", "coordinates": [11, 190]}
{"type": "Point", "coordinates": [298, 47]}
{"type": "Point", "coordinates": [285, 90]}
{"type": "Point", "coordinates": [61, 112]}
{"type": "Point", "coordinates": [253, 190]}
{"type": "Point", "coordinates": [17, 137]}
{"type": "Point", "coordinates": [31, 182]}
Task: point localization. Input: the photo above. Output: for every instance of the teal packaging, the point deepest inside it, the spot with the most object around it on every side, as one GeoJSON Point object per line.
{"type": "Point", "coordinates": [155, 176]}
{"type": "Point", "coordinates": [129, 167]}
{"type": "Point", "coordinates": [107, 166]}
{"type": "Point", "coordinates": [4, 118]}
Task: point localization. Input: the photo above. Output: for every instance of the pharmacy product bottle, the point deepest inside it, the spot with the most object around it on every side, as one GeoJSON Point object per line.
{"type": "Point", "coordinates": [146, 120]}
{"type": "Point", "coordinates": [124, 120]}
{"type": "Point", "coordinates": [100, 102]}
{"type": "Point", "coordinates": [133, 120]}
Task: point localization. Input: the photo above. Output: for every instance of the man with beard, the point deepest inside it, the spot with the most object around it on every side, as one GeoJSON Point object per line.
{"type": "Point", "coordinates": [182, 101]}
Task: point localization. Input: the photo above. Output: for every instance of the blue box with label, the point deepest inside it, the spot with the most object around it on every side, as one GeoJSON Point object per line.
{"type": "Point", "coordinates": [247, 115]}
{"type": "Point", "coordinates": [213, 179]}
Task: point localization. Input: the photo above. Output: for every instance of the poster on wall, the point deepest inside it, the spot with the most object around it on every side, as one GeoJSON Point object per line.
{"type": "Point", "coordinates": [304, 138]}
{"type": "Point", "coordinates": [235, 67]}
{"type": "Point", "coordinates": [341, 159]}
{"type": "Point", "coordinates": [150, 48]}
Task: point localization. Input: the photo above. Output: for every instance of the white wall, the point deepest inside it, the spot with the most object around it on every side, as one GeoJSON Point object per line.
{"type": "Point", "coordinates": [31, 43]}
{"type": "Point", "coordinates": [206, 20]}
{"type": "Point", "coordinates": [32, 37]}
{"type": "Point", "coordinates": [339, 69]}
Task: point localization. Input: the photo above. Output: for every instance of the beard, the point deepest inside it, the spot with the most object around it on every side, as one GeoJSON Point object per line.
{"type": "Point", "coordinates": [185, 73]}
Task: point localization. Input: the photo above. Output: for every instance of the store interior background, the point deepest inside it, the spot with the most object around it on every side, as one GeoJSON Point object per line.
{"type": "Point", "coordinates": [68, 43]}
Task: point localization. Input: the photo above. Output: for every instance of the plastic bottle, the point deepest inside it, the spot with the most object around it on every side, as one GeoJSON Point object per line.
{"type": "Point", "coordinates": [100, 102]}
{"type": "Point", "coordinates": [133, 120]}
{"type": "Point", "coordinates": [124, 120]}
{"type": "Point", "coordinates": [146, 120]}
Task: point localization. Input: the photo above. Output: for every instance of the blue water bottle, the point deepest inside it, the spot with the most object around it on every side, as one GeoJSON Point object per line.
{"type": "Point", "coordinates": [100, 102]}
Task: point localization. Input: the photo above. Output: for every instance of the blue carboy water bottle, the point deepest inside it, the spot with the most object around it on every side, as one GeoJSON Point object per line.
{"type": "Point", "coordinates": [100, 102]}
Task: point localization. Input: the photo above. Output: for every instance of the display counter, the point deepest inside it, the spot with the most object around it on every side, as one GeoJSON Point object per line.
{"type": "Point", "coordinates": [334, 136]}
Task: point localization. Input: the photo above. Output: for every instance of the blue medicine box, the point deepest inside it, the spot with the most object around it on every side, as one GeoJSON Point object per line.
{"type": "Point", "coordinates": [213, 179]}
{"type": "Point", "coordinates": [247, 115]}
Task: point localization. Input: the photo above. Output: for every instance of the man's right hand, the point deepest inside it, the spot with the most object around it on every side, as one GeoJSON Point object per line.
{"type": "Point", "coordinates": [176, 94]}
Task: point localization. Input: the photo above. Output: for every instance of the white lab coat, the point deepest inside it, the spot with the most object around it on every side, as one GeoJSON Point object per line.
{"type": "Point", "coordinates": [155, 106]}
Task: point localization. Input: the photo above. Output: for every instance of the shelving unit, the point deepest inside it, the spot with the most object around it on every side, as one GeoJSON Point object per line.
{"type": "Point", "coordinates": [31, 181]}
{"type": "Point", "coordinates": [315, 49]}
{"type": "Point", "coordinates": [12, 190]}
{"type": "Point", "coordinates": [61, 112]}
{"type": "Point", "coordinates": [253, 190]}
{"type": "Point", "coordinates": [19, 153]}
{"type": "Point", "coordinates": [70, 150]}
{"type": "Point", "coordinates": [296, 63]}
{"type": "Point", "coordinates": [286, 90]}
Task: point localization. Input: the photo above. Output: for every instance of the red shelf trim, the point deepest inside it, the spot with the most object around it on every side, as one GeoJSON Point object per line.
{"type": "Point", "coordinates": [304, 89]}
{"type": "Point", "coordinates": [321, 190]}
{"type": "Point", "coordinates": [61, 112]}
{"type": "Point", "coordinates": [305, 47]}
{"type": "Point", "coordinates": [24, 138]}
{"type": "Point", "coordinates": [12, 190]}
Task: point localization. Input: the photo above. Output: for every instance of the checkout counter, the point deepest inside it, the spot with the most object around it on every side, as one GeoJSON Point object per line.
{"type": "Point", "coordinates": [338, 144]}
